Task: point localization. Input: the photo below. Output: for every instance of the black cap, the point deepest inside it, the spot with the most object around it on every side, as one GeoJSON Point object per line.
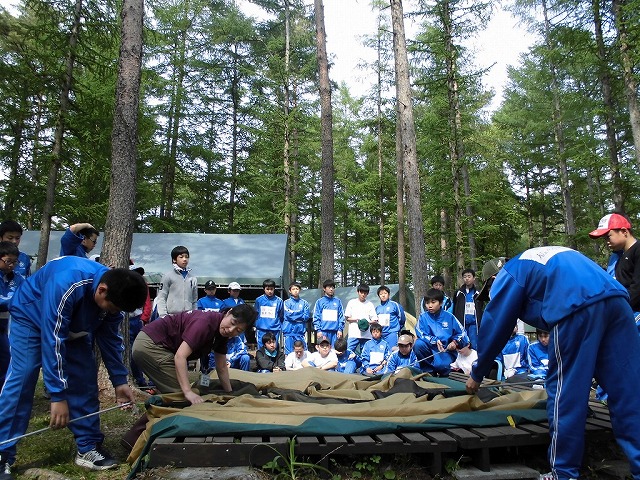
{"type": "Point", "coordinates": [210, 285]}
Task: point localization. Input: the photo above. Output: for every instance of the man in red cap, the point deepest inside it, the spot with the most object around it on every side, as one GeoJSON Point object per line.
{"type": "Point", "coordinates": [624, 264]}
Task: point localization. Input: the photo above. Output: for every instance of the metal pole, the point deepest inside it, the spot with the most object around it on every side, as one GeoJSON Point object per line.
{"type": "Point", "coordinates": [19, 437]}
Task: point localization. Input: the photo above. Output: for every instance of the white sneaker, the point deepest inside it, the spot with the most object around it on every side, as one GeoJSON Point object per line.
{"type": "Point", "coordinates": [96, 459]}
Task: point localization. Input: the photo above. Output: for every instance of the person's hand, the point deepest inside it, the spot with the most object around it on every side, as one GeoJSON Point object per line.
{"type": "Point", "coordinates": [339, 334]}
{"type": "Point", "coordinates": [193, 397]}
{"type": "Point", "coordinates": [439, 345]}
{"type": "Point", "coordinates": [276, 369]}
{"type": "Point", "coordinates": [124, 394]}
{"type": "Point", "coordinates": [472, 386]}
{"type": "Point", "coordinates": [59, 415]}
{"type": "Point", "coordinates": [452, 346]}
{"type": "Point", "coordinates": [369, 371]}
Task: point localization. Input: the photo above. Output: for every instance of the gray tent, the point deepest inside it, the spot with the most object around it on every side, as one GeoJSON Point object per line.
{"type": "Point", "coordinates": [246, 259]}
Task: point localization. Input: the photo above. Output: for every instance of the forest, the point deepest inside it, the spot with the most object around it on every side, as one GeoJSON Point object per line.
{"type": "Point", "coordinates": [230, 136]}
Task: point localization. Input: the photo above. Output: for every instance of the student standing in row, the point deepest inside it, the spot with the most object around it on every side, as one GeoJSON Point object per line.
{"type": "Point", "coordinates": [179, 288]}
{"type": "Point", "coordinates": [391, 316]}
{"type": "Point", "coordinates": [270, 309]}
{"type": "Point", "coordinates": [359, 314]}
{"type": "Point", "coordinates": [328, 315]}
{"type": "Point", "coordinates": [9, 282]}
{"type": "Point", "coordinates": [294, 325]}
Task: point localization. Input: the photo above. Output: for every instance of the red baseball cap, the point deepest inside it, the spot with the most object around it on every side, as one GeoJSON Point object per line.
{"type": "Point", "coordinates": [613, 221]}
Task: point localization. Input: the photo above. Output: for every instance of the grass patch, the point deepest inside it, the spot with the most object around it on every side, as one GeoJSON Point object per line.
{"type": "Point", "coordinates": [55, 450]}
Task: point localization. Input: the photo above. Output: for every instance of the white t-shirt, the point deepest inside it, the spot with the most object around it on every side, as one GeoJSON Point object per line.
{"type": "Point", "coordinates": [294, 363]}
{"type": "Point", "coordinates": [465, 363]}
{"type": "Point", "coordinates": [320, 361]}
{"type": "Point", "coordinates": [359, 310]}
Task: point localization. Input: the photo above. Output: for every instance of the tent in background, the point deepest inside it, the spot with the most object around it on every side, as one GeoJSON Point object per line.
{"type": "Point", "coordinates": [246, 259]}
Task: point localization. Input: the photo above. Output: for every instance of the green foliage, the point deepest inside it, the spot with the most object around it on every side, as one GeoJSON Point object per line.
{"type": "Point", "coordinates": [287, 466]}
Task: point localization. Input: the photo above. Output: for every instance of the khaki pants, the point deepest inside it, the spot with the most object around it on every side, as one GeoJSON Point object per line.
{"type": "Point", "coordinates": [157, 362]}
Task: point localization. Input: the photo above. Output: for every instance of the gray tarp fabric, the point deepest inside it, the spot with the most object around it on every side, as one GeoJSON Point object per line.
{"type": "Point", "coordinates": [246, 259]}
{"type": "Point", "coordinates": [315, 402]}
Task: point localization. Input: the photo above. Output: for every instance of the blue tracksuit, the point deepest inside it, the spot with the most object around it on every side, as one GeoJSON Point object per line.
{"type": "Point", "coordinates": [237, 354]}
{"type": "Point", "coordinates": [374, 353]}
{"type": "Point", "coordinates": [294, 325]}
{"type": "Point", "coordinates": [538, 360]}
{"type": "Point", "coordinates": [348, 364]}
{"type": "Point", "coordinates": [397, 361]}
{"type": "Point", "coordinates": [270, 314]}
{"type": "Point", "coordinates": [392, 318]}
{"type": "Point", "coordinates": [209, 304]}
{"type": "Point", "coordinates": [54, 324]}
{"type": "Point", "coordinates": [328, 317]}
{"type": "Point", "coordinates": [231, 302]}
{"type": "Point", "coordinates": [8, 284]}
{"type": "Point", "coordinates": [514, 356]}
{"type": "Point", "coordinates": [71, 244]}
{"type": "Point", "coordinates": [430, 328]}
{"type": "Point", "coordinates": [592, 334]}
{"type": "Point", "coordinates": [23, 267]}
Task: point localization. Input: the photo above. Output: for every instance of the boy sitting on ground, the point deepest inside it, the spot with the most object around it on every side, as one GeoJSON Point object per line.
{"type": "Point", "coordinates": [324, 358]}
{"type": "Point", "coordinates": [268, 357]}
{"type": "Point", "coordinates": [403, 357]}
{"type": "Point", "coordinates": [375, 352]}
{"type": "Point", "coordinates": [348, 361]}
{"type": "Point", "coordinates": [467, 356]}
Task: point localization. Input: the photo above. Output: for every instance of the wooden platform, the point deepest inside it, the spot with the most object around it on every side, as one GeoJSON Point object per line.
{"type": "Point", "coordinates": [476, 442]}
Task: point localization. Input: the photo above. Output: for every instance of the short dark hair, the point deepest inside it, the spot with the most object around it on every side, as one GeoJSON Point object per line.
{"type": "Point", "coordinates": [244, 314]}
{"type": "Point", "coordinates": [298, 343]}
{"type": "Point", "coordinates": [126, 289]}
{"type": "Point", "coordinates": [328, 283]}
{"type": "Point", "coordinates": [433, 294]}
{"type": "Point", "coordinates": [10, 226]}
{"type": "Point", "coordinates": [375, 326]}
{"type": "Point", "coordinates": [383, 288]}
{"type": "Point", "coordinates": [268, 283]}
{"type": "Point", "coordinates": [87, 232]}
{"type": "Point", "coordinates": [294, 284]}
{"type": "Point", "coordinates": [437, 279]}
{"type": "Point", "coordinates": [340, 345]}
{"type": "Point", "coordinates": [268, 337]}
{"type": "Point", "coordinates": [363, 287]}
{"type": "Point", "coordinates": [179, 250]}
{"type": "Point", "coordinates": [9, 248]}
{"type": "Point", "coordinates": [469, 270]}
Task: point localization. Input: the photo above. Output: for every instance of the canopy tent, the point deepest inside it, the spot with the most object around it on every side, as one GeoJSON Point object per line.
{"type": "Point", "coordinates": [246, 259]}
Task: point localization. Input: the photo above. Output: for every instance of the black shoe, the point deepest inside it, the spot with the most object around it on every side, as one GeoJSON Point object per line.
{"type": "Point", "coordinates": [96, 459]}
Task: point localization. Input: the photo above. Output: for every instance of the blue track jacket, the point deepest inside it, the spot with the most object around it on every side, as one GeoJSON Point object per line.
{"type": "Point", "coordinates": [59, 300]}
{"type": "Point", "coordinates": [296, 313]}
{"type": "Point", "coordinates": [541, 286]}
{"type": "Point", "coordinates": [270, 312]}
{"type": "Point", "coordinates": [328, 315]}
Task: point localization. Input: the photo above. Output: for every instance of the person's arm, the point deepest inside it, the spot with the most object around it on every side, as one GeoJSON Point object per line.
{"type": "Point", "coordinates": [163, 293]}
{"type": "Point", "coordinates": [223, 371]}
{"type": "Point", "coordinates": [194, 293]}
{"type": "Point", "coordinates": [340, 320]}
{"type": "Point", "coordinates": [146, 309]}
{"type": "Point", "coordinates": [634, 287]}
{"type": "Point", "coordinates": [180, 360]}
{"type": "Point", "coordinates": [263, 361]}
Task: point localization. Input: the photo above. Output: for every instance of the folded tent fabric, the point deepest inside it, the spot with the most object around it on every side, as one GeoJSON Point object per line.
{"type": "Point", "coordinates": [260, 408]}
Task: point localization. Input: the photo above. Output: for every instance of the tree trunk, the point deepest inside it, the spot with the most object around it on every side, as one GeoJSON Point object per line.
{"type": "Point", "coordinates": [402, 255]}
{"type": "Point", "coordinates": [56, 161]}
{"type": "Point", "coordinates": [288, 203]}
{"type": "Point", "coordinates": [381, 205]}
{"type": "Point", "coordinates": [630, 84]}
{"type": "Point", "coordinates": [409, 155]}
{"type": "Point", "coordinates": [607, 98]}
{"type": "Point", "coordinates": [235, 101]}
{"type": "Point", "coordinates": [558, 131]}
{"type": "Point", "coordinates": [124, 148]}
{"type": "Point", "coordinates": [327, 242]}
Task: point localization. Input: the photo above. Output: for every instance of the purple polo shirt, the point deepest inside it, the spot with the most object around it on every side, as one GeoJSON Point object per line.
{"type": "Point", "coordinates": [199, 328]}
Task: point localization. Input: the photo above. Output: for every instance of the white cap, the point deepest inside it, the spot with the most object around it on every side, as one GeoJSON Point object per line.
{"type": "Point", "coordinates": [235, 286]}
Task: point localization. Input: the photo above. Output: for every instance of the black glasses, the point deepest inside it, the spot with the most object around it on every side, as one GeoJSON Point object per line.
{"type": "Point", "coordinates": [9, 263]}
{"type": "Point", "coordinates": [92, 240]}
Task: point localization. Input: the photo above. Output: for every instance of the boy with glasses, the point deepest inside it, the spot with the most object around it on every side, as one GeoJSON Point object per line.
{"type": "Point", "coordinates": [8, 284]}
{"type": "Point", "coordinates": [11, 231]}
{"type": "Point", "coordinates": [78, 240]}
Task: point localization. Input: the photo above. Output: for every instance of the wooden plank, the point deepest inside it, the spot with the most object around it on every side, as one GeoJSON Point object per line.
{"type": "Point", "coordinates": [465, 438]}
